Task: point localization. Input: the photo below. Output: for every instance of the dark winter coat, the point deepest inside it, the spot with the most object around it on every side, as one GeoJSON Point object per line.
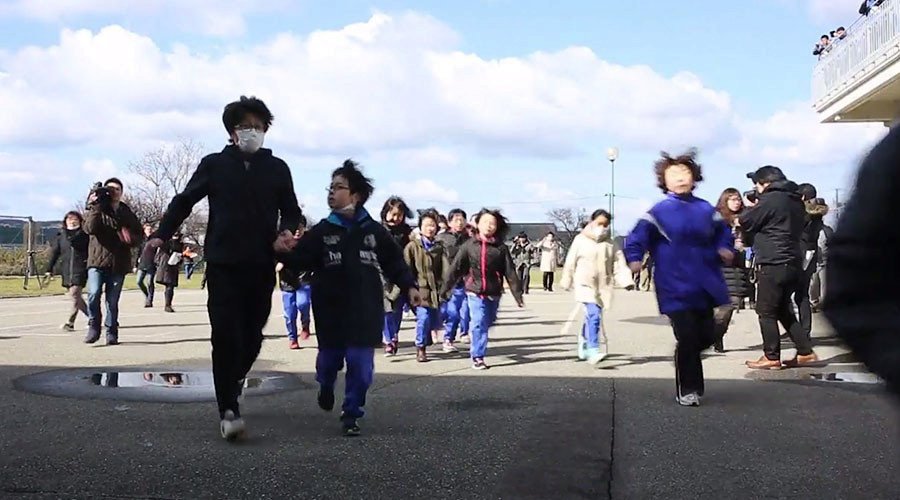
{"type": "Point", "coordinates": [69, 249]}
{"type": "Point", "coordinates": [737, 277]}
{"type": "Point", "coordinates": [147, 258]}
{"type": "Point", "coordinates": [861, 295]}
{"type": "Point", "coordinates": [347, 259]}
{"type": "Point", "coordinates": [430, 267]}
{"type": "Point", "coordinates": [816, 210]}
{"type": "Point", "coordinates": [291, 281]}
{"type": "Point", "coordinates": [165, 274]}
{"type": "Point", "coordinates": [452, 242]}
{"type": "Point", "coordinates": [246, 195]}
{"type": "Point", "coordinates": [106, 249]}
{"type": "Point", "coordinates": [775, 225]}
{"type": "Point", "coordinates": [400, 235]}
{"type": "Point", "coordinates": [483, 264]}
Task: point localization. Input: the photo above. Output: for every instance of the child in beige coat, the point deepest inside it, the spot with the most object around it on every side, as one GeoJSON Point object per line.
{"type": "Point", "coordinates": [590, 270]}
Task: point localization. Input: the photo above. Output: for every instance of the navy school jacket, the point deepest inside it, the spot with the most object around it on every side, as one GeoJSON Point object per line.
{"type": "Point", "coordinates": [346, 259]}
{"type": "Point", "coordinates": [683, 235]}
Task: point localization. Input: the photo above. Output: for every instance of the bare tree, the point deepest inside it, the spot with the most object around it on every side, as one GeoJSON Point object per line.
{"type": "Point", "coordinates": [569, 221]}
{"type": "Point", "coordinates": [161, 174]}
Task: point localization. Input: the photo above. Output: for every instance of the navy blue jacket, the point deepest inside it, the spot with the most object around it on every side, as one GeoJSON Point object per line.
{"type": "Point", "coordinates": [683, 235]}
{"type": "Point", "coordinates": [346, 259]}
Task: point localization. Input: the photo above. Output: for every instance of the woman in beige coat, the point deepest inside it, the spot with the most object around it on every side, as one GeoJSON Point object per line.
{"type": "Point", "coordinates": [549, 259]}
{"type": "Point", "coordinates": [590, 269]}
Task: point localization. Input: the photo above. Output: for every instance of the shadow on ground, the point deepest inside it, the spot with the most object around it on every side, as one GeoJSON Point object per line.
{"type": "Point", "coordinates": [463, 435]}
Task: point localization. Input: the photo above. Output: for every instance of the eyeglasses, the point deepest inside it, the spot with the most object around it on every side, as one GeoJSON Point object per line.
{"type": "Point", "coordinates": [332, 189]}
{"type": "Point", "coordinates": [244, 127]}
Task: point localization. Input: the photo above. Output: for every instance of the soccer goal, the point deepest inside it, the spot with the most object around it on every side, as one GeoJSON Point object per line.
{"type": "Point", "coordinates": [28, 233]}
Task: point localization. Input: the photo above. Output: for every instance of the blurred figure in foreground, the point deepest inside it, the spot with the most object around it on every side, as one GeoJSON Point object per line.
{"type": "Point", "coordinates": [862, 300]}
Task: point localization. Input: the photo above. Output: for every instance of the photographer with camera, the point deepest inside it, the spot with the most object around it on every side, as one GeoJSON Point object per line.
{"type": "Point", "coordinates": [114, 230]}
{"type": "Point", "coordinates": [775, 225]}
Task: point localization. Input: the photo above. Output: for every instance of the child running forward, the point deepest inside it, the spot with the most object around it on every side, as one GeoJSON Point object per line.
{"type": "Point", "coordinates": [295, 291]}
{"type": "Point", "coordinates": [688, 241]}
{"type": "Point", "coordinates": [484, 260]}
{"type": "Point", "coordinates": [427, 259]}
{"type": "Point", "coordinates": [347, 253]}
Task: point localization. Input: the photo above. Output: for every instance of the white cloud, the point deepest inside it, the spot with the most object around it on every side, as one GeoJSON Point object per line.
{"type": "Point", "coordinates": [211, 17]}
{"type": "Point", "coordinates": [427, 158]}
{"type": "Point", "coordinates": [393, 82]}
{"type": "Point", "coordinates": [543, 192]}
{"type": "Point", "coordinates": [100, 169]}
{"type": "Point", "coordinates": [423, 191]}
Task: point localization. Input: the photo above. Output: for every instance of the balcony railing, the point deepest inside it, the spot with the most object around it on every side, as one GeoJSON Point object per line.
{"type": "Point", "coordinates": [869, 46]}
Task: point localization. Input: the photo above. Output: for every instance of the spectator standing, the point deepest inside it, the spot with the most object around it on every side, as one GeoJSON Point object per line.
{"type": "Point", "coordinates": [70, 249]}
{"type": "Point", "coordinates": [816, 209]}
{"type": "Point", "coordinates": [549, 259]}
{"type": "Point", "coordinates": [146, 268]}
{"type": "Point", "coordinates": [168, 265]}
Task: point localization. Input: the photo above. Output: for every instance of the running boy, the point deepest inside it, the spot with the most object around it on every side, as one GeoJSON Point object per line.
{"type": "Point", "coordinates": [484, 260]}
{"type": "Point", "coordinates": [347, 253]}
{"type": "Point", "coordinates": [428, 261]}
{"type": "Point", "coordinates": [688, 241]}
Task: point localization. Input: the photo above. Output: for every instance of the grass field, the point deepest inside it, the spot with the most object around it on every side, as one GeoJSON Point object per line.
{"type": "Point", "coordinates": [11, 287]}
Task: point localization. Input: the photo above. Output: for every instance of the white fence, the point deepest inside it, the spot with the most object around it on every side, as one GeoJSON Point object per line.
{"type": "Point", "coordinates": [868, 46]}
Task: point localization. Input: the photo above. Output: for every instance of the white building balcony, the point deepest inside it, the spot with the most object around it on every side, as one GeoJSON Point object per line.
{"type": "Point", "coordinates": [858, 80]}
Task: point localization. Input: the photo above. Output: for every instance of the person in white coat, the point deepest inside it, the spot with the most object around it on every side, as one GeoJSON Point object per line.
{"type": "Point", "coordinates": [590, 270]}
{"type": "Point", "coordinates": [549, 258]}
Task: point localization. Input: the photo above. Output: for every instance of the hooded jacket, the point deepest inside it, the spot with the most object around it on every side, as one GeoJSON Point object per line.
{"type": "Point", "coordinates": [483, 263]}
{"type": "Point", "coordinates": [247, 194]}
{"type": "Point", "coordinates": [347, 258]}
{"type": "Point", "coordinates": [70, 250]}
{"type": "Point", "coordinates": [816, 210]}
{"type": "Point", "coordinates": [683, 235]}
{"type": "Point", "coordinates": [590, 269]}
{"type": "Point", "coordinates": [776, 225]}
{"type": "Point", "coordinates": [430, 266]}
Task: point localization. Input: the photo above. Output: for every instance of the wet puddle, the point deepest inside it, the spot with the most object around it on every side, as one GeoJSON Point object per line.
{"type": "Point", "coordinates": [847, 377]}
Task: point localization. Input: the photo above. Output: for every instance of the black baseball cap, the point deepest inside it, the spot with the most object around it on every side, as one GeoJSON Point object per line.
{"type": "Point", "coordinates": [765, 174]}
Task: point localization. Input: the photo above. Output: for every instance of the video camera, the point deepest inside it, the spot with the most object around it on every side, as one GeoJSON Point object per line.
{"type": "Point", "coordinates": [752, 196]}
{"type": "Point", "coordinates": [104, 197]}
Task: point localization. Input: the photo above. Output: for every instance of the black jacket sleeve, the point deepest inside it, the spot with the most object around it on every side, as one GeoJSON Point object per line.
{"type": "Point", "coordinates": [55, 250]}
{"type": "Point", "coordinates": [753, 219]}
{"type": "Point", "coordinates": [307, 255]}
{"type": "Point", "coordinates": [392, 263]}
{"type": "Point", "coordinates": [458, 268]}
{"type": "Point", "coordinates": [287, 204]}
{"type": "Point", "coordinates": [862, 300]}
{"type": "Point", "coordinates": [511, 277]}
{"type": "Point", "coordinates": [183, 203]}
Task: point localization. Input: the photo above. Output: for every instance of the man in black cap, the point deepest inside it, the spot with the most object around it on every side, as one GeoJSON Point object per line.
{"type": "Point", "coordinates": [775, 226]}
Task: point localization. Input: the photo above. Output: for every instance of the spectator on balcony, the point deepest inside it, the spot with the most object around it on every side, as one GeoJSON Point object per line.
{"type": "Point", "coordinates": [867, 5]}
{"type": "Point", "coordinates": [822, 47]}
{"type": "Point", "coordinates": [838, 34]}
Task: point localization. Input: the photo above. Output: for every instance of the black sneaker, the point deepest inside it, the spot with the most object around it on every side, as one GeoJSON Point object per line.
{"type": "Point", "coordinates": [326, 399]}
{"type": "Point", "coordinates": [112, 339]}
{"type": "Point", "coordinates": [350, 427]}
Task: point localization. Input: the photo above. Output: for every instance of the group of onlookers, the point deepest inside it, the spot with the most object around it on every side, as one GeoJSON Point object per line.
{"type": "Point", "coordinates": [829, 40]}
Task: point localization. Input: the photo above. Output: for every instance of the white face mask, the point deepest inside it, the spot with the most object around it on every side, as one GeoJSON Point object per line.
{"type": "Point", "coordinates": [600, 231]}
{"type": "Point", "coordinates": [250, 140]}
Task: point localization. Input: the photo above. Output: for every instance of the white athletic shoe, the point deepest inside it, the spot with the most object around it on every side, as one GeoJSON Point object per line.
{"type": "Point", "coordinates": [232, 428]}
{"type": "Point", "coordinates": [596, 358]}
{"type": "Point", "coordinates": [449, 347]}
{"type": "Point", "coordinates": [692, 399]}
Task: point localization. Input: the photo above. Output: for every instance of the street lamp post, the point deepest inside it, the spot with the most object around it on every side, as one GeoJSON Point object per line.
{"type": "Point", "coordinates": [612, 154]}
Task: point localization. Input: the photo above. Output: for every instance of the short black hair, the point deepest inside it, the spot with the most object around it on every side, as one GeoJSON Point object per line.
{"type": "Point", "coordinates": [599, 212]}
{"type": "Point", "coordinates": [236, 111]}
{"type": "Point", "coordinates": [114, 180]}
{"type": "Point", "coordinates": [457, 211]}
{"type": "Point", "coordinates": [429, 213]}
{"type": "Point", "coordinates": [73, 213]}
{"type": "Point", "coordinates": [688, 159]}
{"type": "Point", "coordinates": [841, 28]}
{"type": "Point", "coordinates": [358, 183]}
{"type": "Point", "coordinates": [502, 223]}
{"type": "Point", "coordinates": [398, 203]}
{"type": "Point", "coordinates": [824, 36]}
{"type": "Point", "coordinates": [767, 175]}
{"type": "Point", "coordinates": [442, 218]}
{"type": "Point", "coordinates": [807, 191]}
{"type": "Point", "coordinates": [302, 221]}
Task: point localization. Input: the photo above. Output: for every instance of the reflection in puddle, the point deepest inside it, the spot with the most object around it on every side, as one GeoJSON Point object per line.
{"type": "Point", "coordinates": [172, 380]}
{"type": "Point", "coordinates": [850, 377]}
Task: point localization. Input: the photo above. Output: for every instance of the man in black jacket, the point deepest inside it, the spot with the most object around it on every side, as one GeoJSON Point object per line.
{"type": "Point", "coordinates": [775, 225]}
{"type": "Point", "coordinates": [815, 210]}
{"type": "Point", "coordinates": [862, 266]}
{"type": "Point", "coordinates": [248, 188]}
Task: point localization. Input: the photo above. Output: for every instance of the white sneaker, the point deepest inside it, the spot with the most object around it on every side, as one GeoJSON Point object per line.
{"type": "Point", "coordinates": [449, 347]}
{"type": "Point", "coordinates": [692, 399]}
{"type": "Point", "coordinates": [232, 428]}
{"type": "Point", "coordinates": [596, 358]}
